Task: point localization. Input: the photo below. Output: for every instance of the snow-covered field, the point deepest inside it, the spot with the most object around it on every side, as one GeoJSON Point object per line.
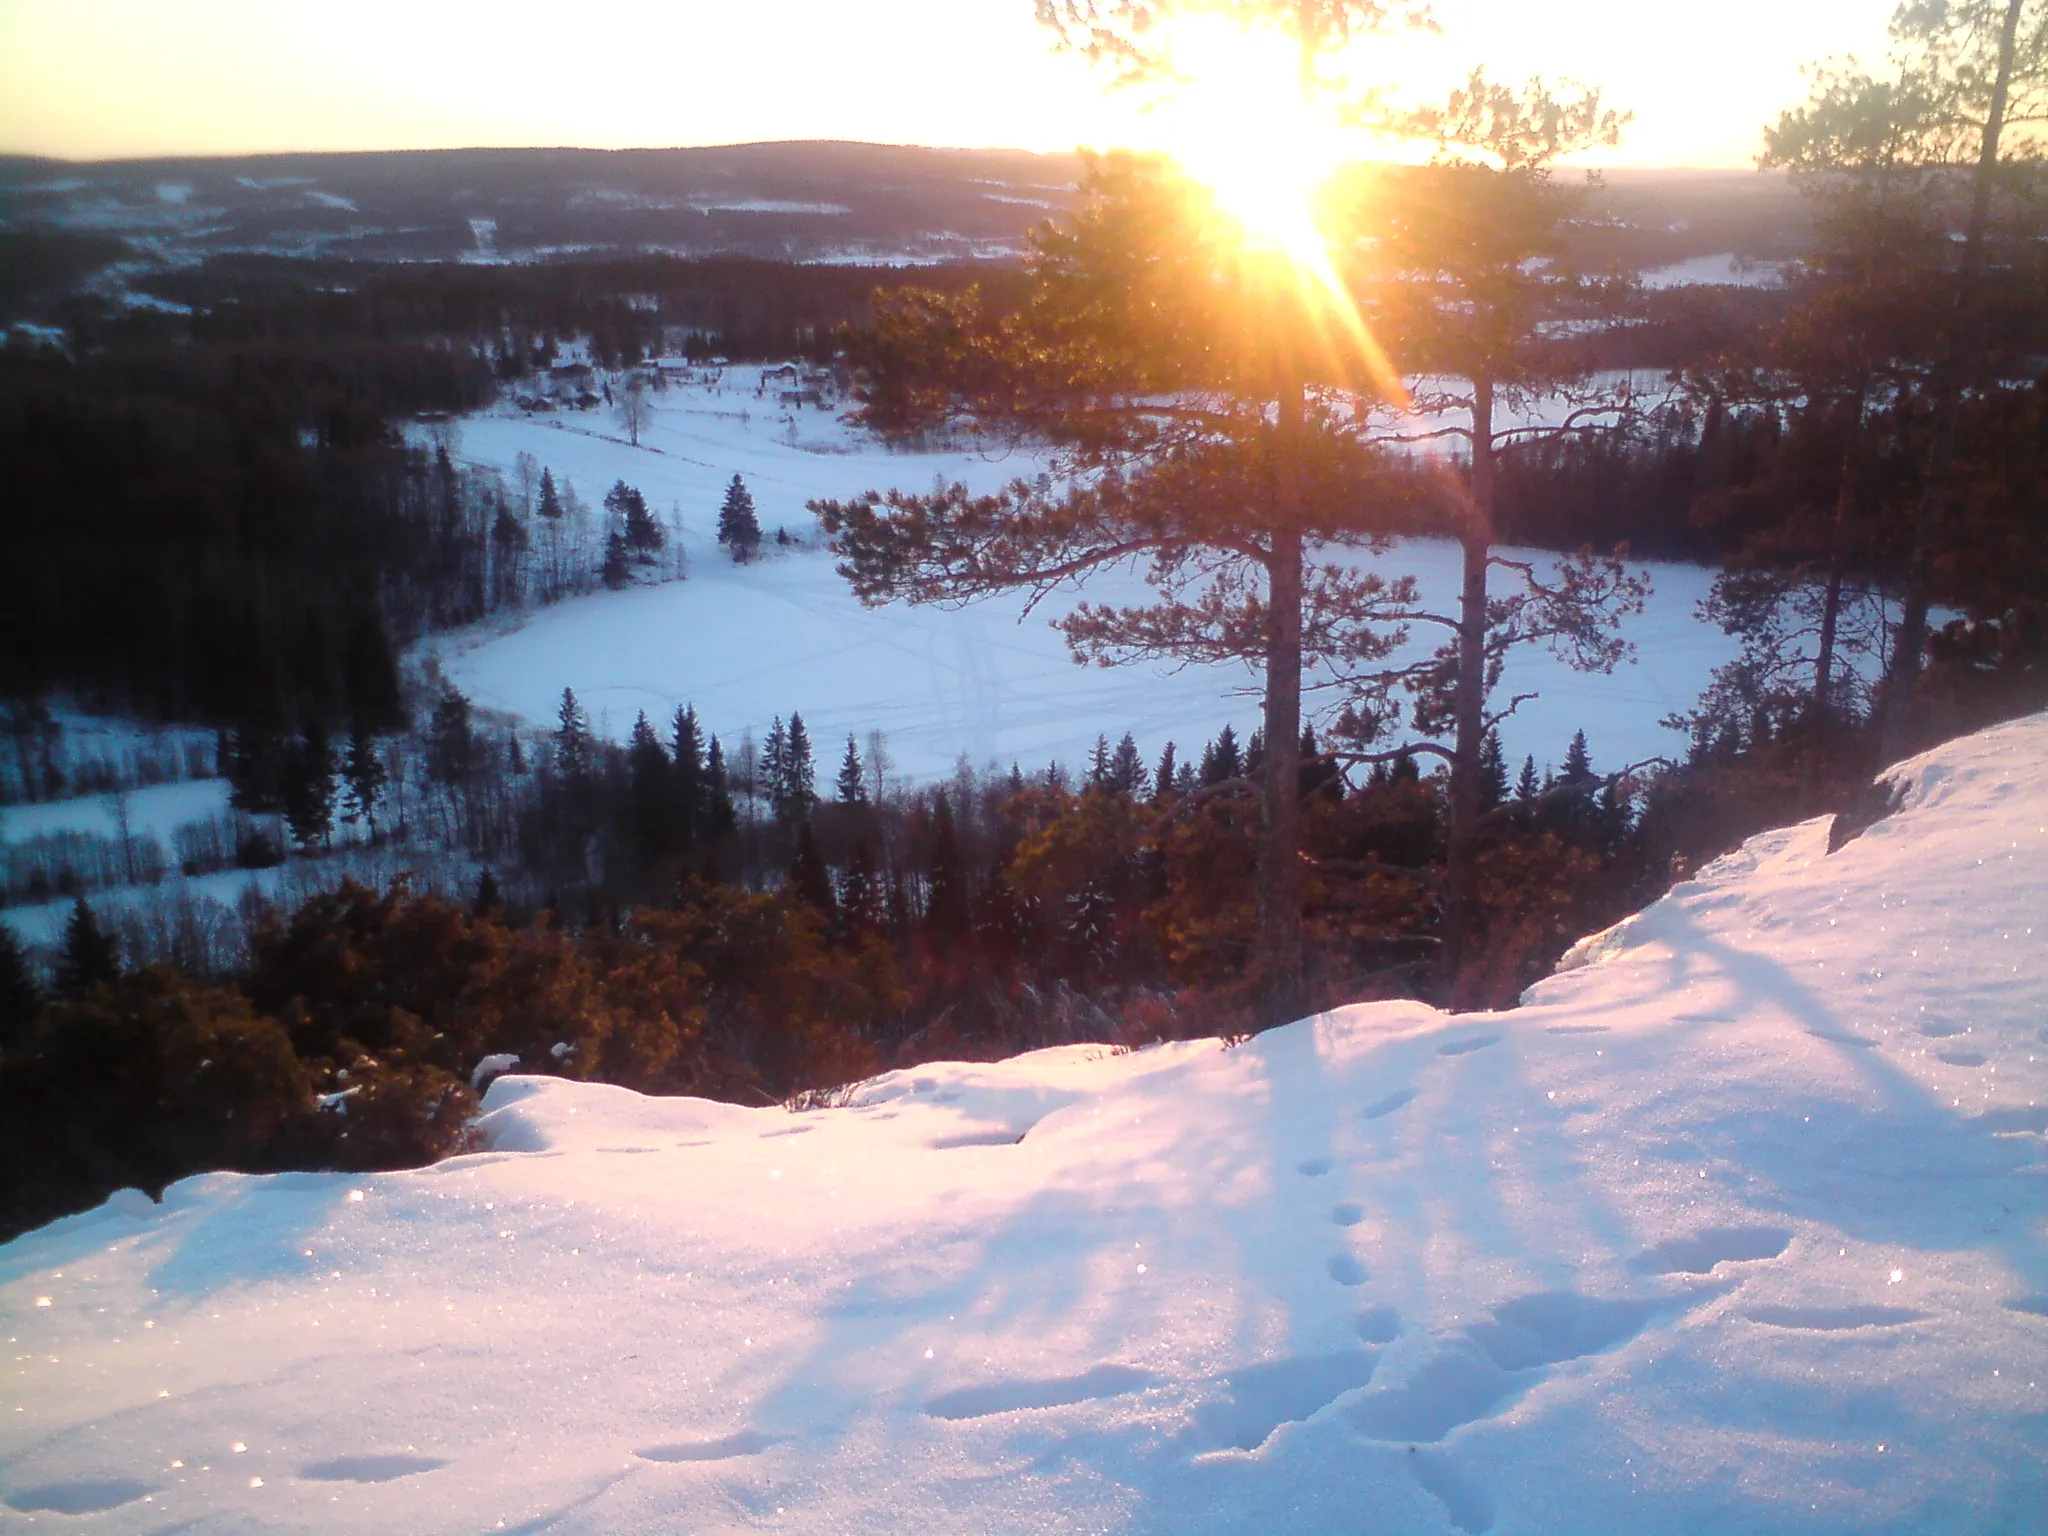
{"type": "Point", "coordinates": [747, 643]}
{"type": "Point", "coordinates": [1740, 1224]}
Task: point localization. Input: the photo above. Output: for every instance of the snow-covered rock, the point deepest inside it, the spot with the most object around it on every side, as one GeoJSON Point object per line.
{"type": "Point", "coordinates": [1738, 1226]}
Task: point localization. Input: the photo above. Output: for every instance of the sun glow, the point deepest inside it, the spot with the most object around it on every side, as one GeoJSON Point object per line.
{"type": "Point", "coordinates": [1238, 123]}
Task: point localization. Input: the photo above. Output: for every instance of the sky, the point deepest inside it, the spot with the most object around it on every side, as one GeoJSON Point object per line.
{"type": "Point", "coordinates": [85, 79]}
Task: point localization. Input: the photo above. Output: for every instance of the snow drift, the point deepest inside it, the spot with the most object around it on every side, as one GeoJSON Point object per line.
{"type": "Point", "coordinates": [1737, 1225]}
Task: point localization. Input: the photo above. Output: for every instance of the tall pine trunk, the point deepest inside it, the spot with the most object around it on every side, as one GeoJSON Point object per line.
{"type": "Point", "coordinates": [1461, 874]}
{"type": "Point", "coordinates": [1280, 881]}
{"type": "Point", "coordinates": [1964, 353]}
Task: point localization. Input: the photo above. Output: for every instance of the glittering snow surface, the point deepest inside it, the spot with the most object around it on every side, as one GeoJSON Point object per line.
{"type": "Point", "coordinates": [1738, 1225]}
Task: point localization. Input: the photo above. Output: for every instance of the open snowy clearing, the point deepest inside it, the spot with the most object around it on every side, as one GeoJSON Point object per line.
{"type": "Point", "coordinates": [1740, 1224]}
{"type": "Point", "coordinates": [747, 643]}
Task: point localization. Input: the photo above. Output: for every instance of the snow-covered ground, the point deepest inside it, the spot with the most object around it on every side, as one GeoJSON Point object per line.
{"type": "Point", "coordinates": [747, 643]}
{"type": "Point", "coordinates": [155, 811]}
{"type": "Point", "coordinates": [1740, 1224]}
{"type": "Point", "coordinates": [1727, 271]}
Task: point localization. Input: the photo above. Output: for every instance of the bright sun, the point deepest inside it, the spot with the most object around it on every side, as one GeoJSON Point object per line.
{"type": "Point", "coordinates": [1239, 125]}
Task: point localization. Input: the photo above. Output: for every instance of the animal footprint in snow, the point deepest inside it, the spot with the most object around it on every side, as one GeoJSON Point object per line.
{"type": "Point", "coordinates": [370, 1469]}
{"type": "Point", "coordinates": [1464, 1501]}
{"type": "Point", "coordinates": [90, 1496]}
{"type": "Point", "coordinates": [1961, 1058]}
{"type": "Point", "coordinates": [1385, 1107]}
{"type": "Point", "coordinates": [1941, 1029]}
{"type": "Point", "coordinates": [1697, 1255]}
{"type": "Point", "coordinates": [1346, 1270]}
{"type": "Point", "coordinates": [1315, 1167]}
{"type": "Point", "coordinates": [1379, 1325]}
{"type": "Point", "coordinates": [1834, 1319]}
{"type": "Point", "coordinates": [748, 1442]}
{"type": "Point", "coordinates": [2036, 1305]}
{"type": "Point", "coordinates": [1347, 1214]}
{"type": "Point", "coordinates": [1260, 1398]}
{"type": "Point", "coordinates": [1466, 1046]}
{"type": "Point", "coordinates": [1060, 1392]}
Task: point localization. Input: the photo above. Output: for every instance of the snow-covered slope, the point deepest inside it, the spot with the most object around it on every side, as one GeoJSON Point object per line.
{"type": "Point", "coordinates": [1736, 1226]}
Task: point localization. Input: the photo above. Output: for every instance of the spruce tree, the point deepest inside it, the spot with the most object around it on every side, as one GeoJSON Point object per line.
{"type": "Point", "coordinates": [799, 771]}
{"type": "Point", "coordinates": [1127, 769]}
{"type": "Point", "coordinates": [1098, 763]}
{"type": "Point", "coordinates": [650, 798]}
{"type": "Point", "coordinates": [739, 530]}
{"type": "Point", "coordinates": [20, 998]}
{"type": "Point", "coordinates": [1220, 761]}
{"type": "Point", "coordinates": [852, 784]}
{"type": "Point", "coordinates": [1493, 773]}
{"type": "Point", "coordinates": [362, 770]}
{"type": "Point", "coordinates": [687, 777]}
{"type": "Point", "coordinates": [946, 909]}
{"type": "Point", "coordinates": [860, 892]}
{"type": "Point", "coordinates": [550, 498]}
{"type": "Point", "coordinates": [1163, 775]}
{"type": "Point", "coordinates": [1526, 786]}
{"type": "Point", "coordinates": [774, 783]}
{"type": "Point", "coordinates": [809, 877]}
{"type": "Point", "coordinates": [720, 818]}
{"type": "Point", "coordinates": [254, 769]}
{"type": "Point", "coordinates": [617, 570]}
{"type": "Point", "coordinates": [575, 752]}
{"type": "Point", "coordinates": [451, 743]}
{"type": "Point", "coordinates": [489, 903]}
{"type": "Point", "coordinates": [89, 958]}
{"type": "Point", "coordinates": [309, 787]}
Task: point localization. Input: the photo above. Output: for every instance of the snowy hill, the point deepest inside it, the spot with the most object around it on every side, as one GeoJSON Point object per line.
{"type": "Point", "coordinates": [1740, 1224]}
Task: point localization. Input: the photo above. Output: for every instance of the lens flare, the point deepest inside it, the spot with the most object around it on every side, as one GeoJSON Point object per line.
{"type": "Point", "coordinates": [1239, 123]}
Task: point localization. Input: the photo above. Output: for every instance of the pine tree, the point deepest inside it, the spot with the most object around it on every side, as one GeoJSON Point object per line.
{"type": "Point", "coordinates": [20, 998]}
{"type": "Point", "coordinates": [550, 498]}
{"type": "Point", "coordinates": [739, 530]}
{"type": "Point", "coordinates": [852, 784]}
{"type": "Point", "coordinates": [88, 959]}
{"type": "Point", "coordinates": [1526, 786]}
{"type": "Point", "coordinates": [809, 877]}
{"type": "Point", "coordinates": [799, 772]}
{"type": "Point", "coordinates": [1127, 769]}
{"type": "Point", "coordinates": [362, 771]}
{"type": "Point", "coordinates": [1163, 776]}
{"type": "Point", "coordinates": [1255, 752]}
